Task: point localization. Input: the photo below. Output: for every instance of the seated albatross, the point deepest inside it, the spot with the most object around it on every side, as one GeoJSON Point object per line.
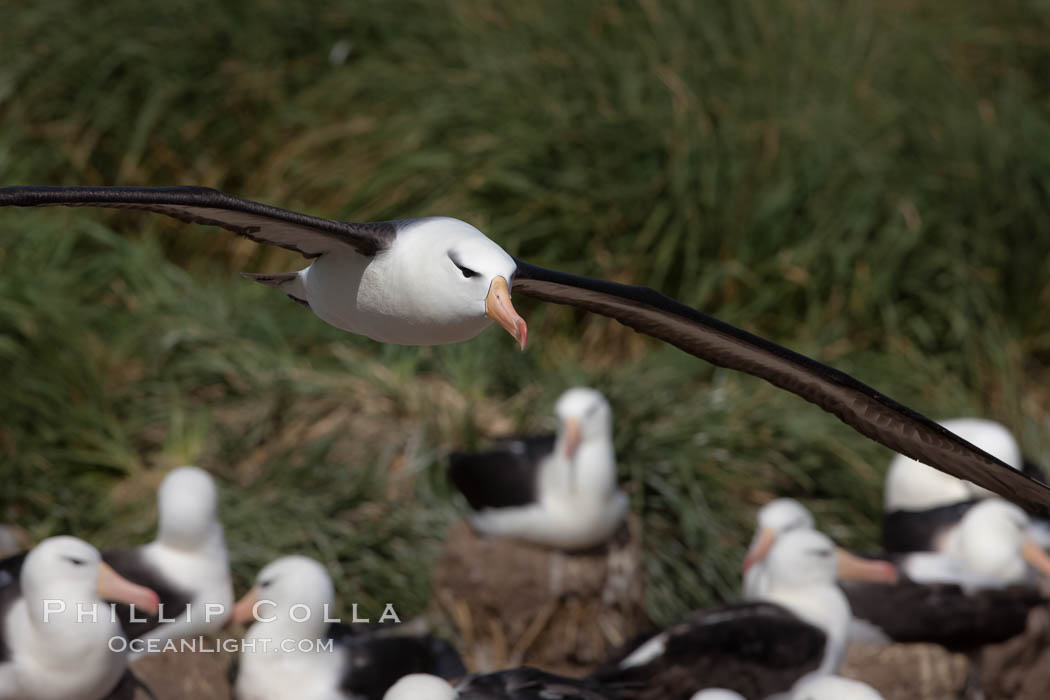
{"type": "Point", "coordinates": [440, 280]}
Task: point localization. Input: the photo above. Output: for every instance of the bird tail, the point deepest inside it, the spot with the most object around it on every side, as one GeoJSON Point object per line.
{"type": "Point", "coordinates": [288, 282]}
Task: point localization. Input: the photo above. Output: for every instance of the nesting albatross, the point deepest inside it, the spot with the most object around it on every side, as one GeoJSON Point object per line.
{"type": "Point", "coordinates": [57, 637]}
{"type": "Point", "coordinates": [187, 564]}
{"type": "Point", "coordinates": [294, 649]}
{"type": "Point", "coordinates": [559, 491]}
{"type": "Point", "coordinates": [798, 630]}
{"type": "Point", "coordinates": [923, 505]}
{"type": "Point", "coordinates": [440, 280]}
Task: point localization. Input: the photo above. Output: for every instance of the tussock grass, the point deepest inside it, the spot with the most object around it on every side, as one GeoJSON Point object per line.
{"type": "Point", "coordinates": [867, 183]}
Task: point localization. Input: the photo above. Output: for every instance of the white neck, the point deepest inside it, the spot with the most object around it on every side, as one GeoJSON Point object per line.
{"type": "Point", "coordinates": [210, 541]}
{"type": "Point", "coordinates": [594, 471]}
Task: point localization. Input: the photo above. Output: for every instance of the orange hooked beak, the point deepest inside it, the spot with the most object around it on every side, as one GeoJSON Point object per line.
{"type": "Point", "coordinates": [112, 586]}
{"type": "Point", "coordinates": [500, 310]}
{"type": "Point", "coordinates": [573, 436]}
{"type": "Point", "coordinates": [760, 548]}
{"type": "Point", "coordinates": [242, 610]}
{"type": "Point", "coordinates": [854, 568]}
{"type": "Point", "coordinates": [1034, 555]}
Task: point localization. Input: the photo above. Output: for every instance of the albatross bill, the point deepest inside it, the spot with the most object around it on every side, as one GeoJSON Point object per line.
{"type": "Point", "coordinates": [500, 310]}
{"type": "Point", "coordinates": [429, 281]}
{"type": "Point", "coordinates": [113, 586]}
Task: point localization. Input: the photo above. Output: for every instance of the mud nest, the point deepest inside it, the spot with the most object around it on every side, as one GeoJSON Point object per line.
{"type": "Point", "coordinates": [176, 676]}
{"type": "Point", "coordinates": [507, 604]}
{"type": "Point", "coordinates": [908, 671]}
{"type": "Point", "coordinates": [1017, 669]}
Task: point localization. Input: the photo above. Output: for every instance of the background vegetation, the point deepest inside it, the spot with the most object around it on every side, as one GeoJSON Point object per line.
{"type": "Point", "coordinates": [866, 182]}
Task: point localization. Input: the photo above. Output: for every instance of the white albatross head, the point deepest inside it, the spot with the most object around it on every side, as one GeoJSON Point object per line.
{"type": "Point", "coordinates": [786, 515]}
{"type": "Point", "coordinates": [421, 686]}
{"type": "Point", "coordinates": [187, 508]}
{"type": "Point", "coordinates": [993, 541]}
{"type": "Point", "coordinates": [583, 415]}
{"type": "Point", "coordinates": [803, 558]}
{"type": "Point", "coordinates": [457, 276]}
{"type": "Point", "coordinates": [290, 582]}
{"type": "Point", "coordinates": [774, 518]}
{"type": "Point", "coordinates": [71, 570]}
{"type": "Point", "coordinates": [717, 694]}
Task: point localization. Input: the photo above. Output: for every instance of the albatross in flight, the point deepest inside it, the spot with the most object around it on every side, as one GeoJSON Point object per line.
{"type": "Point", "coordinates": [440, 280]}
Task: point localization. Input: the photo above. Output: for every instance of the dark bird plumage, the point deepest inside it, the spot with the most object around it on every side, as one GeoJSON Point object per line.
{"type": "Point", "coordinates": [10, 591]}
{"type": "Point", "coordinates": [502, 477]}
{"type": "Point", "coordinates": [130, 564]}
{"type": "Point", "coordinates": [756, 649]}
{"type": "Point", "coordinates": [942, 613]}
{"type": "Point", "coordinates": [376, 662]}
{"type": "Point", "coordinates": [531, 684]}
{"type": "Point", "coordinates": [921, 530]}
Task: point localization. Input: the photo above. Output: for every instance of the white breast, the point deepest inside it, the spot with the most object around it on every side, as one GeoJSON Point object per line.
{"type": "Point", "coordinates": [265, 675]}
{"type": "Point", "coordinates": [64, 660]}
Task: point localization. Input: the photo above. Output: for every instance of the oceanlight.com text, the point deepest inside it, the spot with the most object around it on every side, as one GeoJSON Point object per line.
{"type": "Point", "coordinates": [261, 645]}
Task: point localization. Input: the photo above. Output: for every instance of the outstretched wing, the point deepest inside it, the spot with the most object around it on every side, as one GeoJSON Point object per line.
{"type": "Point", "coordinates": [858, 405]}
{"type": "Point", "coordinates": [308, 235]}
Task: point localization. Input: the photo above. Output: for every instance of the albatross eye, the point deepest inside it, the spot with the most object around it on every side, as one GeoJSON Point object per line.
{"type": "Point", "coordinates": [75, 562]}
{"type": "Point", "coordinates": [467, 272]}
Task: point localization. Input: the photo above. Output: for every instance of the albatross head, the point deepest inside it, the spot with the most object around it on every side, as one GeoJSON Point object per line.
{"type": "Point", "coordinates": [421, 685]}
{"type": "Point", "coordinates": [69, 569]}
{"type": "Point", "coordinates": [776, 517]}
{"type": "Point", "coordinates": [786, 515]}
{"type": "Point", "coordinates": [187, 505]}
{"type": "Point", "coordinates": [290, 582]}
{"type": "Point", "coordinates": [994, 541]}
{"type": "Point", "coordinates": [457, 278]}
{"type": "Point", "coordinates": [584, 415]}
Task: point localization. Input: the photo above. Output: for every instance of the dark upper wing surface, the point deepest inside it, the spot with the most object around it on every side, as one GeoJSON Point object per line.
{"type": "Point", "coordinates": [309, 235]}
{"type": "Point", "coordinates": [130, 564]}
{"type": "Point", "coordinates": [756, 649]}
{"type": "Point", "coordinates": [501, 478]}
{"type": "Point", "coordinates": [528, 683]}
{"type": "Point", "coordinates": [943, 613]}
{"type": "Point", "coordinates": [374, 663]}
{"type": "Point", "coordinates": [920, 530]}
{"type": "Point", "coordinates": [872, 414]}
